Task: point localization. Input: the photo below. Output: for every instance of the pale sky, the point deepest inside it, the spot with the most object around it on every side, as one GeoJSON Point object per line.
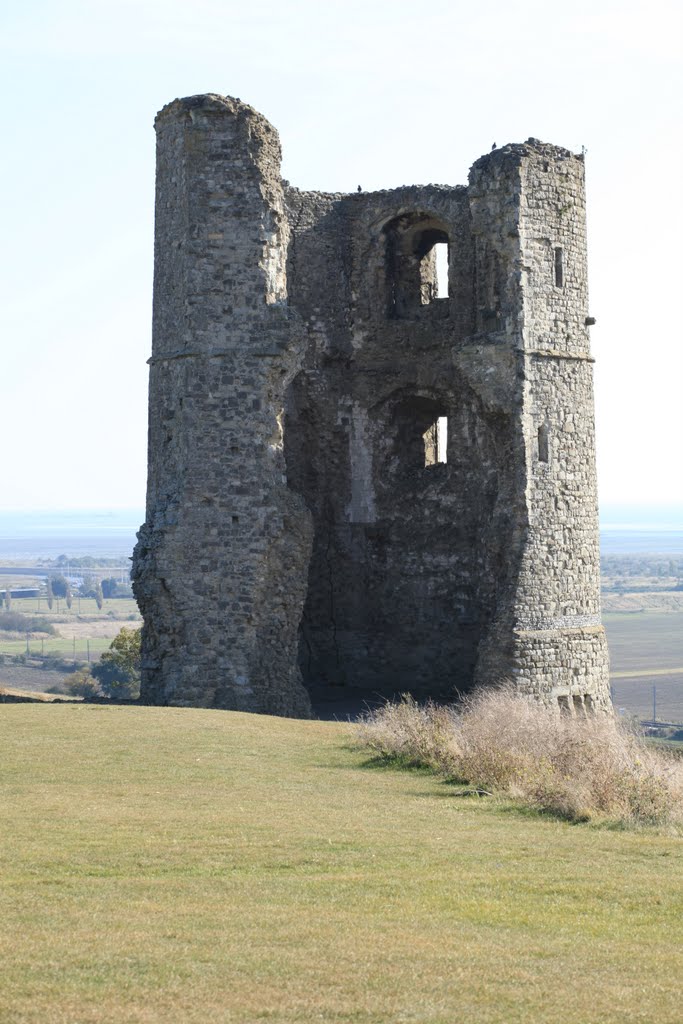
{"type": "Point", "coordinates": [381, 94]}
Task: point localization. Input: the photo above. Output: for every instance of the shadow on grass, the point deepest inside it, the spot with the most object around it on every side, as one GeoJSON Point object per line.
{"type": "Point", "coordinates": [380, 763]}
{"type": "Point", "coordinates": [450, 789]}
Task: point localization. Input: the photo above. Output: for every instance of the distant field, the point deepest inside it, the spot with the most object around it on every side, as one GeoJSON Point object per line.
{"type": "Point", "coordinates": [83, 636]}
{"type": "Point", "coordinates": [60, 647]}
{"type": "Point", "coordinates": [29, 677]}
{"type": "Point", "coordinates": [646, 650]}
{"type": "Point", "coordinates": [120, 606]}
{"type": "Point", "coordinates": [644, 640]}
{"type": "Point", "coordinates": [173, 865]}
{"type": "Point", "coordinates": [635, 696]}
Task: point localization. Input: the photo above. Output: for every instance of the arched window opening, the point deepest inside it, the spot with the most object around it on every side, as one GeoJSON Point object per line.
{"type": "Point", "coordinates": [543, 443]}
{"type": "Point", "coordinates": [417, 265]}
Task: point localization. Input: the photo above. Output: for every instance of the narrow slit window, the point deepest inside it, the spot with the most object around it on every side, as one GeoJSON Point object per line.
{"type": "Point", "coordinates": [543, 443]}
{"type": "Point", "coordinates": [559, 268]}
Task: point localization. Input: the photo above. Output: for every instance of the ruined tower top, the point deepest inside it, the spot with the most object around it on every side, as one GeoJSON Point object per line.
{"type": "Point", "coordinates": [371, 451]}
{"type": "Point", "coordinates": [201, 108]}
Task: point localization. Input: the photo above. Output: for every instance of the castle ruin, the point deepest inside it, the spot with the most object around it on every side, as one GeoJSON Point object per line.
{"type": "Point", "coordinates": [371, 435]}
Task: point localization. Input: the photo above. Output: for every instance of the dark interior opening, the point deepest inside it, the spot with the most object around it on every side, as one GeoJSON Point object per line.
{"type": "Point", "coordinates": [419, 431]}
{"type": "Point", "coordinates": [417, 265]}
{"type": "Point", "coordinates": [406, 550]}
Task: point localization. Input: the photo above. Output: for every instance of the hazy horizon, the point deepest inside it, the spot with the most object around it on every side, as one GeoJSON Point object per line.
{"type": "Point", "coordinates": [664, 515]}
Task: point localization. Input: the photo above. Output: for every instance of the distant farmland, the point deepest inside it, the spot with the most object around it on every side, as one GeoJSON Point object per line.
{"type": "Point", "coordinates": [646, 650]}
{"type": "Point", "coordinates": [646, 647]}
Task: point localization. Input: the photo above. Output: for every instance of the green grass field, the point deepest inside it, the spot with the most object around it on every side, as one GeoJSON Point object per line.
{"type": "Point", "coordinates": [57, 647]}
{"type": "Point", "coordinates": [90, 627]}
{"type": "Point", "coordinates": [120, 606]}
{"type": "Point", "coordinates": [168, 865]}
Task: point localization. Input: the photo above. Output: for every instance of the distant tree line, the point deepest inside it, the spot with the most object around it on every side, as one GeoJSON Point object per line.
{"type": "Point", "coordinates": [92, 586]}
{"type": "Point", "coordinates": [86, 562]}
{"type": "Point", "coordinates": [17, 622]}
{"type": "Point", "coordinates": [642, 565]}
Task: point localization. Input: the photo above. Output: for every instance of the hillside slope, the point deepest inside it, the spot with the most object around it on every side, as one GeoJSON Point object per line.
{"type": "Point", "coordinates": [196, 866]}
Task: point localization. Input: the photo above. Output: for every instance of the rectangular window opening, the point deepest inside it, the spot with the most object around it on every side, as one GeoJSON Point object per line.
{"type": "Point", "coordinates": [442, 439]}
{"type": "Point", "coordinates": [559, 268]}
{"type": "Point", "coordinates": [441, 264]}
{"type": "Point", "coordinates": [543, 443]}
{"type": "Point", "coordinates": [578, 705]}
{"type": "Point", "coordinates": [563, 703]}
{"type": "Point", "coordinates": [434, 274]}
{"type": "Point", "coordinates": [435, 440]}
{"type": "Point", "coordinates": [588, 704]}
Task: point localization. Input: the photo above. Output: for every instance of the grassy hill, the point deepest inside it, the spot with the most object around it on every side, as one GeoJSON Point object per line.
{"type": "Point", "coordinates": [164, 865]}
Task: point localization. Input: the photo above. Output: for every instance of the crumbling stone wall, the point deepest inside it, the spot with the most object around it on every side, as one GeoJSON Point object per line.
{"type": "Point", "coordinates": [358, 477]}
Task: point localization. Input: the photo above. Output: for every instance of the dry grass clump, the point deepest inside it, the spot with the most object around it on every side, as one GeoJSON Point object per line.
{"type": "Point", "coordinates": [416, 735]}
{"type": "Point", "coordinates": [576, 768]}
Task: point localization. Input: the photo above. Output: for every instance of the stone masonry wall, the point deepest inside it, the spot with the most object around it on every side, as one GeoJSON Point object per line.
{"type": "Point", "coordinates": [220, 565]}
{"type": "Point", "coordinates": [309, 523]}
{"type": "Point", "coordinates": [548, 630]}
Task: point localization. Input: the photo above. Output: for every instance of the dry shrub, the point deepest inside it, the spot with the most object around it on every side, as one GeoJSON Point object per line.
{"type": "Point", "coordinates": [81, 684]}
{"type": "Point", "coordinates": [575, 767]}
{"type": "Point", "coordinates": [414, 734]}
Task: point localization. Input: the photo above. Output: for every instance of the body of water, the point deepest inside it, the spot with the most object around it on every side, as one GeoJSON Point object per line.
{"type": "Point", "coordinates": [641, 530]}
{"type": "Point", "coordinates": [27, 536]}
{"type": "Point", "coordinates": [625, 540]}
{"type": "Point", "coordinates": [101, 533]}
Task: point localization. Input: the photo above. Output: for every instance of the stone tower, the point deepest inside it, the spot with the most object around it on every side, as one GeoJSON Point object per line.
{"type": "Point", "coordinates": [371, 441]}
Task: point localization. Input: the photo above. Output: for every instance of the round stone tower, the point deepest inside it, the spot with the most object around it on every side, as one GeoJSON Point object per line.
{"type": "Point", "coordinates": [220, 565]}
